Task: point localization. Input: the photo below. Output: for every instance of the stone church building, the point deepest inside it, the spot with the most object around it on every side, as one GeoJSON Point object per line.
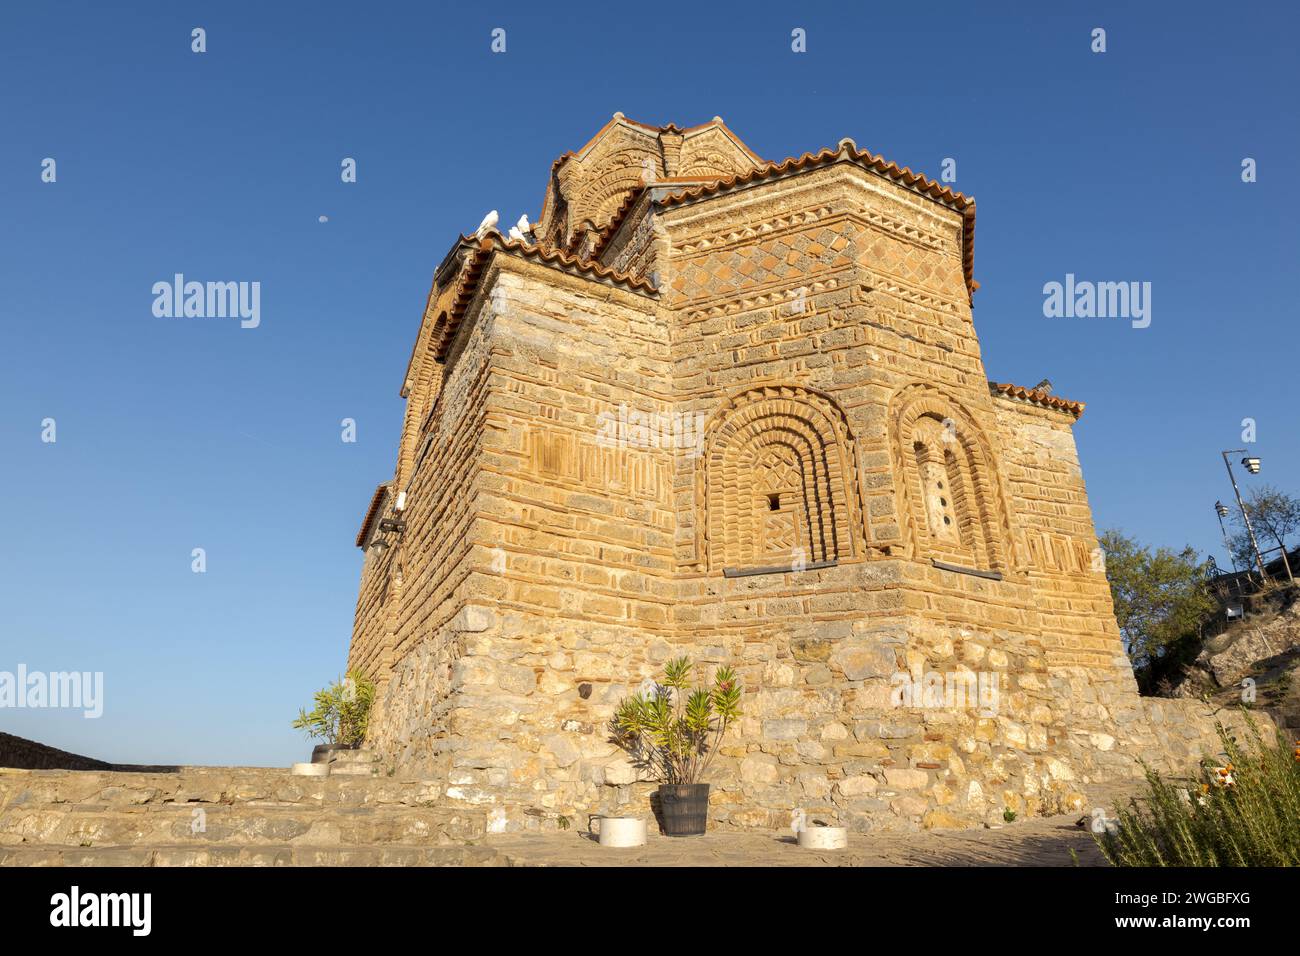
{"type": "Point", "coordinates": [720, 406]}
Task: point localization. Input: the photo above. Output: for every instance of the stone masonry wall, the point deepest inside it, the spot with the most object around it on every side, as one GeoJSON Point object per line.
{"type": "Point", "coordinates": [789, 461]}
{"type": "Point", "coordinates": [534, 695]}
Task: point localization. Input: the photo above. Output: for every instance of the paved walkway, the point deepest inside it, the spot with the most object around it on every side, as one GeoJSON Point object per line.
{"type": "Point", "coordinates": [1042, 841]}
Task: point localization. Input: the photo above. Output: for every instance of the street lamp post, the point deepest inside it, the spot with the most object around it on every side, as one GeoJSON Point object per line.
{"type": "Point", "coordinates": [1252, 465]}
{"type": "Point", "coordinates": [1221, 510]}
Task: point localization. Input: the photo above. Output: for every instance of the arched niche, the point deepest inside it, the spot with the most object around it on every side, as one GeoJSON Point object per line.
{"type": "Point", "coordinates": [778, 486]}
{"type": "Point", "coordinates": [952, 502]}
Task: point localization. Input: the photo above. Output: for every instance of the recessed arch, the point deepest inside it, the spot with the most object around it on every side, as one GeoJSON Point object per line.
{"type": "Point", "coordinates": [778, 483]}
{"type": "Point", "coordinates": [946, 477]}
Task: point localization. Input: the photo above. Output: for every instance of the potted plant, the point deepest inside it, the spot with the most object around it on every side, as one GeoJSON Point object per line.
{"type": "Point", "coordinates": [673, 732]}
{"type": "Point", "coordinates": [340, 716]}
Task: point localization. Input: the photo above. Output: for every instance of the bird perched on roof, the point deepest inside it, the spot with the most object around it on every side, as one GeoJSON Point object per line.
{"type": "Point", "coordinates": [488, 224]}
{"type": "Point", "coordinates": [1044, 386]}
{"type": "Point", "coordinates": [518, 230]}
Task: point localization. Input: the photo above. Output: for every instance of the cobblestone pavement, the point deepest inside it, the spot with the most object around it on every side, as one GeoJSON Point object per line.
{"type": "Point", "coordinates": [1044, 841]}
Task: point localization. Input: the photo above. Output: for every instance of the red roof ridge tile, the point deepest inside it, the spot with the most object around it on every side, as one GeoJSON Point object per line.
{"type": "Point", "coordinates": [848, 149]}
{"type": "Point", "coordinates": [372, 512]}
{"type": "Point", "coordinates": [550, 254]}
{"type": "Point", "coordinates": [1037, 397]}
{"type": "Point", "coordinates": [616, 220]}
{"type": "Point", "coordinates": [481, 251]}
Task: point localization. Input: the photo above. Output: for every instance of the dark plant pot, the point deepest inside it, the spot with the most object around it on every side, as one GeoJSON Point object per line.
{"type": "Point", "coordinates": [684, 808]}
{"type": "Point", "coordinates": [321, 753]}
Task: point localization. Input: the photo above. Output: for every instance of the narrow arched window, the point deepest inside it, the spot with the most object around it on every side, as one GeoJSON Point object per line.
{"type": "Point", "coordinates": [937, 492]}
{"type": "Point", "coordinates": [948, 487]}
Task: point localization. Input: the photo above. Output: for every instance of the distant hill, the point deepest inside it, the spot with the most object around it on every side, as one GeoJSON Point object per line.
{"type": "Point", "coordinates": [22, 754]}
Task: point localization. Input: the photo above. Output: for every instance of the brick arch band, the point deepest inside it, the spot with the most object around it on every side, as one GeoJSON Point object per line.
{"type": "Point", "coordinates": [598, 198]}
{"type": "Point", "coordinates": [965, 451]}
{"type": "Point", "coordinates": [801, 434]}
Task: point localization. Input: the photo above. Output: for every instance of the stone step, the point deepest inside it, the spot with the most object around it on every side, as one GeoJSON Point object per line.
{"type": "Point", "coordinates": [310, 769]}
{"type": "Point", "coordinates": [167, 824]}
{"type": "Point", "coordinates": [354, 756]}
{"type": "Point", "coordinates": [344, 763]}
{"type": "Point", "coordinates": [268, 854]}
{"type": "Point", "coordinates": [351, 769]}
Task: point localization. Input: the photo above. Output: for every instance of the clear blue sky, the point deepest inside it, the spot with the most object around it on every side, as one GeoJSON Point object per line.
{"type": "Point", "coordinates": [182, 433]}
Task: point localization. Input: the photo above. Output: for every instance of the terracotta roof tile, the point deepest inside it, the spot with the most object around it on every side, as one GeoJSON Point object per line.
{"type": "Point", "coordinates": [537, 252]}
{"type": "Point", "coordinates": [847, 150]}
{"type": "Point", "coordinates": [376, 502]}
{"type": "Point", "coordinates": [1044, 399]}
{"type": "Point", "coordinates": [493, 244]}
{"type": "Point", "coordinates": [615, 221]}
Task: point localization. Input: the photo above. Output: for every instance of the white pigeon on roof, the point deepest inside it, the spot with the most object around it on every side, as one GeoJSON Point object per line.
{"type": "Point", "coordinates": [488, 224]}
{"type": "Point", "coordinates": [518, 229]}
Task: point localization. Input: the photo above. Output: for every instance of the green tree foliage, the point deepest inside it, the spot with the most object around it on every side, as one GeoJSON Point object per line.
{"type": "Point", "coordinates": [1160, 596]}
{"type": "Point", "coordinates": [342, 711]}
{"type": "Point", "coordinates": [1275, 516]}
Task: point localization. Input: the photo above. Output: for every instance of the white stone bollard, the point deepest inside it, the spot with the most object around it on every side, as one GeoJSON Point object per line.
{"type": "Point", "coordinates": [620, 831]}
{"type": "Point", "coordinates": [824, 838]}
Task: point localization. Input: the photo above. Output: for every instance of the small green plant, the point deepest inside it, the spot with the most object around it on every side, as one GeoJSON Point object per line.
{"type": "Point", "coordinates": [562, 822]}
{"type": "Point", "coordinates": [1245, 812]}
{"type": "Point", "coordinates": [1009, 815]}
{"type": "Point", "coordinates": [673, 731]}
{"type": "Point", "coordinates": [342, 711]}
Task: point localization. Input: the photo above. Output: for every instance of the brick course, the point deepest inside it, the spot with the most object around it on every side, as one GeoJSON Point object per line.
{"type": "Point", "coordinates": [777, 369]}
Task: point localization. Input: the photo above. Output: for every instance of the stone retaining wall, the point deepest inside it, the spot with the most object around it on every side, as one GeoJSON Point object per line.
{"type": "Point", "coordinates": [521, 724]}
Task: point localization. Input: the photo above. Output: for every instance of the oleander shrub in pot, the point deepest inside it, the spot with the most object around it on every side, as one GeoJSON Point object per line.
{"type": "Point", "coordinates": [340, 715]}
{"type": "Point", "coordinates": [672, 730]}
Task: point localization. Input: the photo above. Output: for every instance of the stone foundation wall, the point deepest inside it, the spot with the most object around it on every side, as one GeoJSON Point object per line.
{"type": "Point", "coordinates": [524, 725]}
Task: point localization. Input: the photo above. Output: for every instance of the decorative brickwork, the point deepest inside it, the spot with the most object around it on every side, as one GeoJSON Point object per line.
{"type": "Point", "coordinates": [738, 410]}
{"type": "Point", "coordinates": [780, 486]}
{"type": "Point", "coordinates": [955, 508]}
